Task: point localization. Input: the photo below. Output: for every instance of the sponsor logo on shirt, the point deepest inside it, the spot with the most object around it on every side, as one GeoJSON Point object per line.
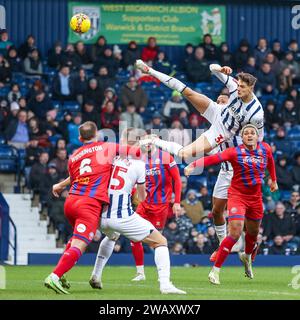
{"type": "Point", "coordinates": [153, 172]}
{"type": "Point", "coordinates": [253, 159]}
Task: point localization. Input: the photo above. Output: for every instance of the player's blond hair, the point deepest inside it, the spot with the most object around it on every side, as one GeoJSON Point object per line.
{"type": "Point", "coordinates": [88, 130]}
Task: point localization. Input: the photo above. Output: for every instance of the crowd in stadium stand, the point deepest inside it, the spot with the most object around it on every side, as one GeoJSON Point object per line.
{"type": "Point", "coordinates": [43, 101]}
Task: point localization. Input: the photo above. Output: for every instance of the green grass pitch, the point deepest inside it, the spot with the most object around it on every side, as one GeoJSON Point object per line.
{"type": "Point", "coordinates": [26, 282]}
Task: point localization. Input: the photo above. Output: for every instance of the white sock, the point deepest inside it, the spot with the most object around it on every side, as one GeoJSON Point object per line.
{"type": "Point", "coordinates": [162, 261]}
{"type": "Point", "coordinates": [248, 256]}
{"type": "Point", "coordinates": [221, 232]}
{"type": "Point", "coordinates": [170, 82]}
{"type": "Point", "coordinates": [216, 269]}
{"type": "Point", "coordinates": [54, 276]}
{"type": "Point", "coordinates": [140, 269]}
{"type": "Point", "coordinates": [170, 147]}
{"type": "Point", "coordinates": [104, 252]}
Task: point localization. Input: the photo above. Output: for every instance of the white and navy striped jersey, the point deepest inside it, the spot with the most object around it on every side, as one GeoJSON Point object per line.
{"type": "Point", "coordinates": [232, 142]}
{"type": "Point", "coordinates": [126, 174]}
{"type": "Point", "coordinates": [237, 113]}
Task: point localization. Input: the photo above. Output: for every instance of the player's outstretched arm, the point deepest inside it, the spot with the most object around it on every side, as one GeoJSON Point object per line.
{"type": "Point", "coordinates": [208, 161]}
{"type": "Point", "coordinates": [59, 187]}
{"type": "Point", "coordinates": [223, 74]}
{"type": "Point", "coordinates": [199, 101]}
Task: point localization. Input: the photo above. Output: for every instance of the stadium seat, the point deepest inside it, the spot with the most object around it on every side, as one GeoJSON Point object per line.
{"type": "Point", "coordinates": [71, 106]}
{"type": "Point", "coordinates": [9, 159]}
{"type": "Point", "coordinates": [2, 140]}
{"type": "Point", "coordinates": [4, 91]}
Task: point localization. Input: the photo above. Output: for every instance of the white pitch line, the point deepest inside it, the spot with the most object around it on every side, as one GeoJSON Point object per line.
{"type": "Point", "coordinates": [200, 289]}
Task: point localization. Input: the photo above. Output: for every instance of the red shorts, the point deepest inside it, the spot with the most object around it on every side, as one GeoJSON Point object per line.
{"type": "Point", "coordinates": [83, 214]}
{"type": "Point", "coordinates": [155, 213]}
{"type": "Point", "coordinates": [240, 208]}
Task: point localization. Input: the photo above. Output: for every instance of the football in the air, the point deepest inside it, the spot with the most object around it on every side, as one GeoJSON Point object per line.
{"type": "Point", "coordinates": [80, 23]}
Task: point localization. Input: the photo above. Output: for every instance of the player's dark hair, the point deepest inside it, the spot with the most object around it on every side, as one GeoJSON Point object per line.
{"type": "Point", "coordinates": [247, 78]}
{"type": "Point", "coordinates": [88, 130]}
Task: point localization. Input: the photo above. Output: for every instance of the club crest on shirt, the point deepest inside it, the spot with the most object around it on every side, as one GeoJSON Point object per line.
{"type": "Point", "coordinates": [233, 210]}
{"type": "Point", "coordinates": [81, 228]}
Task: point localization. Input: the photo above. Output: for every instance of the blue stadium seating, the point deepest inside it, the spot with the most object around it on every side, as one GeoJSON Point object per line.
{"type": "Point", "coordinates": [9, 159]}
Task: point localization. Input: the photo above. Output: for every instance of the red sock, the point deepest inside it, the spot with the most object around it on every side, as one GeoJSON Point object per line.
{"type": "Point", "coordinates": [68, 245]}
{"type": "Point", "coordinates": [250, 243]}
{"type": "Point", "coordinates": [224, 250]}
{"type": "Point", "coordinates": [138, 253]}
{"type": "Point", "coordinates": [67, 261]}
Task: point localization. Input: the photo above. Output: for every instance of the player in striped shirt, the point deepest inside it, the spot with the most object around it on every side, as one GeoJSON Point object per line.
{"type": "Point", "coordinates": [245, 206]}
{"type": "Point", "coordinates": [226, 121]}
{"type": "Point", "coordinates": [90, 171]}
{"type": "Point", "coordinates": [162, 178]}
{"type": "Point", "coordinates": [119, 218]}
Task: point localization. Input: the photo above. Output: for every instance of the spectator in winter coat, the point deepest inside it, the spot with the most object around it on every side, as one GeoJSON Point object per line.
{"type": "Point", "coordinates": [260, 51]}
{"type": "Point", "coordinates": [70, 58]}
{"type": "Point", "coordinates": [175, 105]}
{"type": "Point", "coordinates": [210, 50]}
{"type": "Point", "coordinates": [296, 170]}
{"type": "Point", "coordinates": [289, 114]}
{"type": "Point", "coordinates": [89, 113]}
{"type": "Point", "coordinates": [250, 67]}
{"type": "Point", "coordinates": [109, 61]}
{"type": "Point", "coordinates": [271, 116]}
{"type": "Point", "coordinates": [40, 105]}
{"type": "Point", "coordinates": [15, 62]}
{"type": "Point", "coordinates": [27, 47]}
{"type": "Point", "coordinates": [284, 175]}
{"type": "Point", "coordinates": [130, 55]}
{"type": "Point", "coordinates": [242, 54]}
{"type": "Point", "coordinates": [83, 54]}
{"type": "Point", "coordinates": [98, 48]}
{"type": "Point", "coordinates": [94, 93]}
{"type": "Point", "coordinates": [64, 85]}
{"type": "Point", "coordinates": [197, 67]}
{"type": "Point", "coordinates": [150, 52]}
{"type": "Point", "coordinates": [193, 207]}
{"type": "Point", "coordinates": [55, 56]}
{"type": "Point", "coordinates": [225, 57]}
{"type": "Point", "coordinates": [133, 93]}
{"type": "Point", "coordinates": [279, 223]}
{"type": "Point", "coordinates": [130, 118]}
{"type": "Point", "coordinates": [32, 64]}
{"type": "Point", "coordinates": [266, 79]}
{"type": "Point", "coordinates": [110, 117]}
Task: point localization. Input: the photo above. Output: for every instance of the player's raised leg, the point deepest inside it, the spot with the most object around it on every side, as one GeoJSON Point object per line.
{"type": "Point", "coordinates": [104, 252]}
{"type": "Point", "coordinates": [199, 101]}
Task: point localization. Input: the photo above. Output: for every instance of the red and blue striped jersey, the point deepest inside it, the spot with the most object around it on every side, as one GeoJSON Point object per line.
{"type": "Point", "coordinates": [90, 168]}
{"type": "Point", "coordinates": [248, 167]}
{"type": "Point", "coordinates": [161, 173]}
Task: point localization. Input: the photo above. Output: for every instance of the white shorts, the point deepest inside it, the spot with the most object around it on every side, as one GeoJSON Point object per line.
{"type": "Point", "coordinates": [134, 227]}
{"type": "Point", "coordinates": [222, 184]}
{"type": "Point", "coordinates": [217, 133]}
